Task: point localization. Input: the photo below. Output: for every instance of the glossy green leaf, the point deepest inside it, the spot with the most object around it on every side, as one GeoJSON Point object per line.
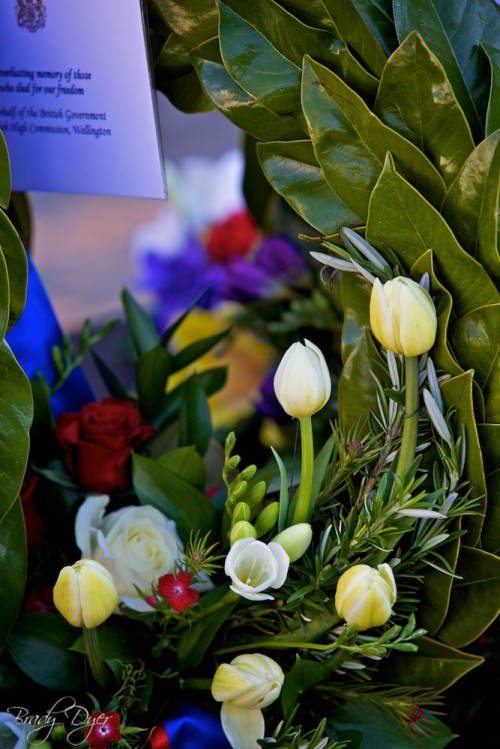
{"type": "Point", "coordinates": [467, 24]}
{"type": "Point", "coordinates": [457, 394]}
{"type": "Point", "coordinates": [442, 356]}
{"type": "Point", "coordinates": [142, 328]}
{"type": "Point", "coordinates": [489, 434]}
{"type": "Point", "coordinates": [372, 726]}
{"type": "Point", "coordinates": [423, 18]}
{"type": "Point", "coordinates": [4, 296]}
{"type": "Point", "coordinates": [302, 676]}
{"type": "Point", "coordinates": [185, 92]}
{"type": "Point", "coordinates": [436, 592]}
{"type": "Point", "coordinates": [186, 463]}
{"type": "Point", "coordinates": [493, 111]}
{"type": "Point", "coordinates": [4, 173]}
{"type": "Point", "coordinates": [15, 257]}
{"type": "Point", "coordinates": [257, 66]}
{"type": "Point", "coordinates": [435, 666]}
{"type": "Point", "coordinates": [243, 110]}
{"type": "Point", "coordinates": [195, 424]}
{"type": "Point", "coordinates": [475, 598]}
{"type": "Point", "coordinates": [294, 39]}
{"type": "Point", "coordinates": [294, 172]}
{"type": "Point", "coordinates": [195, 350]}
{"type": "Point", "coordinates": [471, 204]}
{"type": "Point", "coordinates": [193, 21]}
{"type": "Point", "coordinates": [400, 217]}
{"type": "Point", "coordinates": [358, 34]}
{"type": "Point", "coordinates": [351, 143]}
{"type": "Point", "coordinates": [356, 305]}
{"type": "Point", "coordinates": [416, 99]}
{"type": "Point", "coordinates": [13, 563]}
{"type": "Point", "coordinates": [357, 391]}
{"type": "Point", "coordinates": [40, 646]}
{"type": "Point", "coordinates": [156, 484]}
{"type": "Point", "coordinates": [152, 371]}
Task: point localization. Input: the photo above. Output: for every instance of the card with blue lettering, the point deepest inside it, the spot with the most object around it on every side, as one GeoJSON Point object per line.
{"type": "Point", "coordinates": [77, 105]}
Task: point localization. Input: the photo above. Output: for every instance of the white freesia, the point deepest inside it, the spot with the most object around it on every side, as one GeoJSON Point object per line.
{"type": "Point", "coordinates": [254, 566]}
{"type": "Point", "coordinates": [136, 544]}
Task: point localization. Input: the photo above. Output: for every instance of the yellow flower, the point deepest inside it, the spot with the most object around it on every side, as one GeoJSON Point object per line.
{"type": "Point", "coordinates": [85, 594]}
{"type": "Point", "coordinates": [402, 316]}
{"type": "Point", "coordinates": [302, 382]}
{"type": "Point", "coordinates": [365, 595]}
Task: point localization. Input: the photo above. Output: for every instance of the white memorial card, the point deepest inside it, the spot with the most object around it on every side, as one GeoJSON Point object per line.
{"type": "Point", "coordinates": [77, 105]}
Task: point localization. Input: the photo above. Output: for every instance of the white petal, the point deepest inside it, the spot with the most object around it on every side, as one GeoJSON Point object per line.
{"type": "Point", "coordinates": [88, 520]}
{"type": "Point", "coordinates": [242, 727]}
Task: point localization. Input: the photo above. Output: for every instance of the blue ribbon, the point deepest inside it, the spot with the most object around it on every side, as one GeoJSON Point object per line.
{"type": "Point", "coordinates": [190, 727]}
{"type": "Point", "coordinates": [31, 340]}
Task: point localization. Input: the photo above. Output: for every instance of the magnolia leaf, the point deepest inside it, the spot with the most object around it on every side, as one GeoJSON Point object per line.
{"type": "Point", "coordinates": [4, 173]}
{"type": "Point", "coordinates": [242, 109]}
{"type": "Point", "coordinates": [294, 172]}
{"type": "Point", "coordinates": [475, 598]}
{"type": "Point", "coordinates": [193, 21]}
{"type": "Point", "coordinates": [4, 295]}
{"type": "Point", "coordinates": [400, 217]}
{"type": "Point", "coordinates": [489, 435]}
{"type": "Point", "coordinates": [40, 646]}
{"type": "Point", "coordinates": [442, 356]}
{"type": "Point", "coordinates": [185, 92]}
{"type": "Point", "coordinates": [416, 99]}
{"type": "Point", "coordinates": [357, 393]}
{"type": "Point", "coordinates": [434, 666]}
{"type": "Point", "coordinates": [493, 111]}
{"type": "Point", "coordinates": [13, 564]}
{"type": "Point", "coordinates": [15, 257]}
{"type": "Point", "coordinates": [457, 394]}
{"type": "Point", "coordinates": [423, 18]}
{"type": "Point", "coordinates": [436, 591]}
{"type": "Point", "coordinates": [358, 34]}
{"type": "Point", "coordinates": [471, 204]}
{"type": "Point", "coordinates": [351, 143]}
{"type": "Point", "coordinates": [258, 67]}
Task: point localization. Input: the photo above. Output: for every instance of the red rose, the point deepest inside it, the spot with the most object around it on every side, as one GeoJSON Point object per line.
{"type": "Point", "coordinates": [98, 443]}
{"type": "Point", "coordinates": [232, 238]}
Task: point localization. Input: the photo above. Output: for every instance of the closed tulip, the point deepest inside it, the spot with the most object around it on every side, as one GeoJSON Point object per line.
{"type": "Point", "coordinates": [365, 595]}
{"type": "Point", "coordinates": [295, 540]}
{"type": "Point", "coordinates": [302, 382]}
{"type": "Point", "coordinates": [85, 594]}
{"type": "Point", "coordinates": [402, 316]}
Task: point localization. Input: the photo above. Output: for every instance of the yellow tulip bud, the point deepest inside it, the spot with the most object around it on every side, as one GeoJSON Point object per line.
{"type": "Point", "coordinates": [242, 529]}
{"type": "Point", "coordinates": [295, 540]}
{"type": "Point", "coordinates": [402, 316]}
{"type": "Point", "coordinates": [85, 594]}
{"type": "Point", "coordinates": [302, 382]}
{"type": "Point", "coordinates": [365, 595]}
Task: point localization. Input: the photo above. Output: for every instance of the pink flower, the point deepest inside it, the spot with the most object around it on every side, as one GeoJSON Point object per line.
{"type": "Point", "coordinates": [102, 729]}
{"type": "Point", "coordinates": [176, 589]}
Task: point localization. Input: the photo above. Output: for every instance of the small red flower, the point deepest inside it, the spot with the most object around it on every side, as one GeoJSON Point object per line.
{"type": "Point", "coordinates": [232, 238]}
{"type": "Point", "coordinates": [176, 589]}
{"type": "Point", "coordinates": [102, 729]}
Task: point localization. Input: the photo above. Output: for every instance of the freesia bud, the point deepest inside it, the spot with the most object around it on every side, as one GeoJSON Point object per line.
{"type": "Point", "coordinates": [302, 382]}
{"type": "Point", "coordinates": [85, 594]}
{"type": "Point", "coordinates": [295, 540]}
{"type": "Point", "coordinates": [267, 518]}
{"type": "Point", "coordinates": [365, 595]}
{"type": "Point", "coordinates": [254, 566]}
{"type": "Point", "coordinates": [241, 511]}
{"type": "Point", "coordinates": [403, 316]}
{"type": "Point", "coordinates": [242, 529]}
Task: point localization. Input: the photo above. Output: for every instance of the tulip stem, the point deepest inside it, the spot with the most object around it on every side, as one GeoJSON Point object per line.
{"type": "Point", "coordinates": [410, 422]}
{"type": "Point", "coordinates": [93, 650]}
{"type": "Point", "coordinates": [302, 511]}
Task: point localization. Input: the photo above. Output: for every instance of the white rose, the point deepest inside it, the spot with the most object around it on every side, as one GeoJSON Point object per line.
{"type": "Point", "coordinates": [254, 566]}
{"type": "Point", "coordinates": [136, 544]}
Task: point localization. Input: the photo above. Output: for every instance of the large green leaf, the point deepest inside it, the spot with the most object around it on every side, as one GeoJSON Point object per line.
{"type": "Point", "coordinates": [423, 17]}
{"type": "Point", "coordinates": [294, 172]}
{"type": "Point", "coordinates": [195, 424]}
{"type": "Point", "coordinates": [15, 257]}
{"type": "Point", "coordinates": [489, 435]}
{"type": "Point", "coordinates": [4, 173]}
{"type": "Point", "coordinates": [457, 394]}
{"type": "Point", "coordinates": [475, 598]}
{"type": "Point", "coordinates": [152, 371]}
{"type": "Point", "coordinates": [357, 394]}
{"type": "Point", "coordinates": [259, 68]}
{"type": "Point", "coordinates": [471, 204]}
{"type": "Point", "coordinates": [350, 142]}
{"type": "Point", "coordinates": [435, 666]}
{"type": "Point", "coordinates": [436, 592]}
{"type": "Point", "coordinates": [400, 217]}
{"type": "Point", "coordinates": [358, 34]}
{"type": "Point", "coordinates": [416, 99]}
{"type": "Point", "coordinates": [4, 296]}
{"type": "Point", "coordinates": [356, 304]}
{"type": "Point", "coordinates": [242, 109]}
{"type": "Point", "coordinates": [13, 564]}
{"type": "Point", "coordinates": [493, 111]}
{"type": "Point", "coordinates": [193, 21]}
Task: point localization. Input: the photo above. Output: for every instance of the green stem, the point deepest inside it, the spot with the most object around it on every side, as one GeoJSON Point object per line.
{"type": "Point", "coordinates": [302, 510]}
{"type": "Point", "coordinates": [93, 650]}
{"type": "Point", "coordinates": [410, 424]}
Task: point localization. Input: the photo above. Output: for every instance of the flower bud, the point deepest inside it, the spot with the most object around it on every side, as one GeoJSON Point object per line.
{"type": "Point", "coordinates": [403, 316]}
{"type": "Point", "coordinates": [85, 594]}
{"type": "Point", "coordinates": [242, 529]}
{"type": "Point", "coordinates": [302, 381]}
{"type": "Point", "coordinates": [365, 595]}
{"type": "Point", "coordinates": [267, 518]}
{"type": "Point", "coordinates": [251, 681]}
{"type": "Point", "coordinates": [241, 511]}
{"type": "Point", "coordinates": [295, 540]}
